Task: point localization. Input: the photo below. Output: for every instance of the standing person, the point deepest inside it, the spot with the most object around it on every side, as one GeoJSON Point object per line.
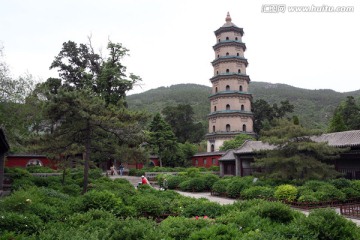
{"type": "Point", "coordinates": [121, 169]}
{"type": "Point", "coordinates": [112, 169]}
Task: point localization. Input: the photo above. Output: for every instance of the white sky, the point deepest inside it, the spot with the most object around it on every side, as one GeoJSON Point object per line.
{"type": "Point", "coordinates": [170, 41]}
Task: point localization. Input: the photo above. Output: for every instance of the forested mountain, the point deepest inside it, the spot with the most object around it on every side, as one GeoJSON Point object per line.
{"type": "Point", "coordinates": [313, 107]}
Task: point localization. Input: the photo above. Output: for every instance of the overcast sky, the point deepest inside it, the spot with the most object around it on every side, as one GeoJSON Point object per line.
{"type": "Point", "coordinates": [170, 41]}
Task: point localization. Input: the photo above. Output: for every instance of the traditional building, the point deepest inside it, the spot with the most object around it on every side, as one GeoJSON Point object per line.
{"type": "Point", "coordinates": [230, 100]}
{"type": "Point", "coordinates": [238, 161]}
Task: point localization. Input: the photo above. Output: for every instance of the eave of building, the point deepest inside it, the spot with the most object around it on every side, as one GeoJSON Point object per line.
{"type": "Point", "coordinates": [230, 94]}
{"type": "Point", "coordinates": [227, 43]}
{"type": "Point", "coordinates": [225, 59]}
{"type": "Point", "coordinates": [231, 28]}
{"type": "Point", "coordinates": [206, 154]}
{"type": "Point", "coordinates": [229, 135]}
{"type": "Point", "coordinates": [230, 75]}
{"type": "Point", "coordinates": [229, 113]}
{"type": "Point", "coordinates": [26, 155]}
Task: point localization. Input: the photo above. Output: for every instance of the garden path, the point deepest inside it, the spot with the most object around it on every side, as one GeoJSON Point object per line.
{"type": "Point", "coordinates": [222, 200]}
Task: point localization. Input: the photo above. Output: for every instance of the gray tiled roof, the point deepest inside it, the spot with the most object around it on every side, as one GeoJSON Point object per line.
{"type": "Point", "coordinates": [340, 139]}
{"type": "Point", "coordinates": [252, 146]}
{"type": "Point", "coordinates": [229, 155]}
{"type": "Point", "coordinates": [203, 154]}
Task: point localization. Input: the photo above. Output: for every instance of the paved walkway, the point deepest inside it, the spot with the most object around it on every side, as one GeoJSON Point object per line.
{"type": "Point", "coordinates": [134, 180]}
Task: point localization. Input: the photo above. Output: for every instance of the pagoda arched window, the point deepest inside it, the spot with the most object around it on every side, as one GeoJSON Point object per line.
{"type": "Point", "coordinates": [227, 106]}
{"type": "Point", "coordinates": [227, 70]}
{"type": "Point", "coordinates": [241, 88]}
{"type": "Point", "coordinates": [227, 38]}
{"type": "Point", "coordinates": [213, 128]}
{"type": "Point", "coordinates": [242, 107]}
{"type": "Point", "coordinates": [228, 127]}
{"type": "Point", "coordinates": [244, 128]}
{"type": "Point", "coordinates": [227, 88]}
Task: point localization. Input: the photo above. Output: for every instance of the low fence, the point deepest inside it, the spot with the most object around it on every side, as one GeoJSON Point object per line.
{"type": "Point", "coordinates": [151, 176]}
{"type": "Point", "coordinates": [352, 210]}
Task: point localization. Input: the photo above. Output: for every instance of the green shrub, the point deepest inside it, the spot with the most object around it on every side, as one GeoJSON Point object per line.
{"type": "Point", "coordinates": [314, 185]}
{"type": "Point", "coordinates": [341, 183]}
{"type": "Point", "coordinates": [214, 168]}
{"type": "Point", "coordinates": [20, 223]}
{"type": "Point", "coordinates": [174, 181]}
{"type": "Point", "coordinates": [220, 186]}
{"type": "Point", "coordinates": [196, 184]}
{"type": "Point", "coordinates": [103, 200]}
{"type": "Point", "coordinates": [351, 192]}
{"type": "Point", "coordinates": [181, 227]}
{"type": "Point", "coordinates": [286, 192]}
{"type": "Point", "coordinates": [237, 185]}
{"type": "Point", "coordinates": [327, 224]}
{"type": "Point", "coordinates": [257, 192]}
{"type": "Point", "coordinates": [308, 198]}
{"type": "Point", "coordinates": [328, 192]}
{"type": "Point", "coordinates": [209, 179]}
{"type": "Point", "coordinates": [39, 169]}
{"type": "Point", "coordinates": [202, 207]}
{"type": "Point", "coordinates": [71, 189]}
{"type": "Point", "coordinates": [355, 184]}
{"type": "Point", "coordinates": [192, 172]}
{"type": "Point", "coordinates": [148, 205]}
{"type": "Point", "coordinates": [134, 229]}
{"type": "Point", "coordinates": [218, 231]}
{"type": "Point", "coordinates": [276, 211]}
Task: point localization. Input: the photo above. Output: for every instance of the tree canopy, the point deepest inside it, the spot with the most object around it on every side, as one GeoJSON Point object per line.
{"type": "Point", "coordinates": [162, 140]}
{"type": "Point", "coordinates": [346, 116]}
{"type": "Point", "coordinates": [296, 156]}
{"type": "Point", "coordinates": [181, 120]}
{"type": "Point", "coordinates": [236, 142]}
{"type": "Point", "coordinates": [85, 110]}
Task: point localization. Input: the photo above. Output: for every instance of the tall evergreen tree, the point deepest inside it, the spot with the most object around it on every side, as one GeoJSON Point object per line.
{"type": "Point", "coordinates": [346, 116]}
{"type": "Point", "coordinates": [296, 156]}
{"type": "Point", "coordinates": [162, 140]}
{"type": "Point", "coordinates": [85, 109]}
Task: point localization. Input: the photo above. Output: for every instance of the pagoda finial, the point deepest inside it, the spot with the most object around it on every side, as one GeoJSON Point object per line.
{"type": "Point", "coordinates": [228, 18]}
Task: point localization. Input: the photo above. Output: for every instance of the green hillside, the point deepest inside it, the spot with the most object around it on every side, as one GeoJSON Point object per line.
{"type": "Point", "coordinates": [314, 107]}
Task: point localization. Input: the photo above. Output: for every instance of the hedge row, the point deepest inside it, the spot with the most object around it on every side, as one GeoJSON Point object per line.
{"type": "Point", "coordinates": [251, 188]}
{"type": "Point", "coordinates": [116, 210]}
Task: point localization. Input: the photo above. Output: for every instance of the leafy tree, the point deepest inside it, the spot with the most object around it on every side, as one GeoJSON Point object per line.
{"type": "Point", "coordinates": [337, 123]}
{"type": "Point", "coordinates": [80, 67]}
{"type": "Point", "coordinates": [13, 108]}
{"type": "Point", "coordinates": [346, 116]}
{"type": "Point", "coordinates": [236, 142]}
{"type": "Point", "coordinates": [162, 140]}
{"type": "Point", "coordinates": [83, 116]}
{"type": "Point", "coordinates": [264, 114]}
{"type": "Point", "coordinates": [181, 120]}
{"type": "Point", "coordinates": [296, 156]}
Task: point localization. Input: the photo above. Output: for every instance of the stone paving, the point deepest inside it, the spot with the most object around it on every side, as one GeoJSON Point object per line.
{"type": "Point", "coordinates": [135, 180]}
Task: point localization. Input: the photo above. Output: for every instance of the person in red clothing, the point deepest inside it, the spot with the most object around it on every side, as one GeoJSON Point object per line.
{"type": "Point", "coordinates": [144, 180]}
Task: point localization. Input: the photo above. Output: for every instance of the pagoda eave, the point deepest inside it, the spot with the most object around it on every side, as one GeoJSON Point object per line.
{"type": "Point", "coordinates": [229, 29]}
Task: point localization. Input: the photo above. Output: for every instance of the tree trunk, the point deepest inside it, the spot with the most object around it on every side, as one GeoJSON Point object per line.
{"type": "Point", "coordinates": [160, 161]}
{"type": "Point", "coordinates": [2, 163]}
{"type": "Point", "coordinates": [87, 158]}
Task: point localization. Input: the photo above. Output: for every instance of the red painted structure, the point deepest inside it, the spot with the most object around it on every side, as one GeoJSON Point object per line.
{"type": "Point", "coordinates": [24, 160]}
{"type": "Point", "coordinates": [206, 159]}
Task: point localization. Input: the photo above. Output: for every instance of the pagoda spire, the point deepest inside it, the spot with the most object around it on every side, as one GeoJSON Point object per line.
{"type": "Point", "coordinates": [228, 18]}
